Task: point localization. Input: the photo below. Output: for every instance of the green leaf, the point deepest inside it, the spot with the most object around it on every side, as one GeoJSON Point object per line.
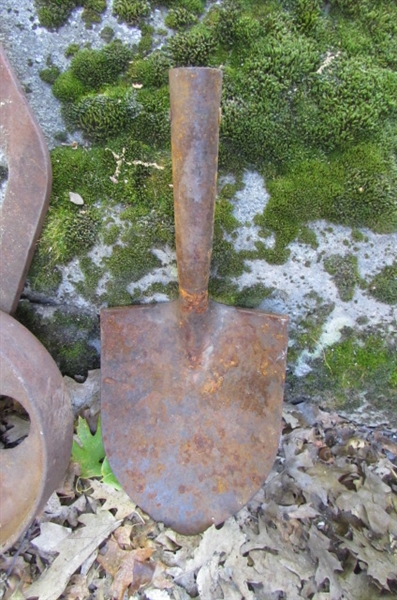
{"type": "Point", "coordinates": [88, 452]}
{"type": "Point", "coordinates": [108, 475]}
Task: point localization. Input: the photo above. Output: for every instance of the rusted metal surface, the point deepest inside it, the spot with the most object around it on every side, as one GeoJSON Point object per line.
{"type": "Point", "coordinates": [29, 472]}
{"type": "Point", "coordinates": [28, 187]}
{"type": "Point", "coordinates": [192, 390]}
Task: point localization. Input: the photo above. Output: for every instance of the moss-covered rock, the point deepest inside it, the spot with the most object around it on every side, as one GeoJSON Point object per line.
{"type": "Point", "coordinates": [383, 286]}
{"type": "Point", "coordinates": [54, 13]}
{"type": "Point", "coordinates": [70, 335]}
{"type": "Point", "coordinates": [344, 272]}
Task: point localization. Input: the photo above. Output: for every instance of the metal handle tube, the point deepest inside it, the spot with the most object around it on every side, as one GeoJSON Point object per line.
{"type": "Point", "coordinates": [195, 106]}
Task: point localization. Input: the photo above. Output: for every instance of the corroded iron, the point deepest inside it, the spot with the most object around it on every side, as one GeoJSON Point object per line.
{"type": "Point", "coordinates": [29, 472]}
{"type": "Point", "coordinates": [28, 188]}
{"type": "Point", "coordinates": [192, 390]}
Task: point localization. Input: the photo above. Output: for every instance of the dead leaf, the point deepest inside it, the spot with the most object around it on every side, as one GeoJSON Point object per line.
{"type": "Point", "coordinates": [18, 428]}
{"type": "Point", "coordinates": [55, 510]}
{"type": "Point", "coordinates": [122, 535]}
{"type": "Point", "coordinates": [229, 538]}
{"type": "Point", "coordinates": [76, 198]}
{"type": "Point", "coordinates": [112, 557]}
{"type": "Point", "coordinates": [77, 588]}
{"type": "Point", "coordinates": [327, 563]}
{"type": "Point", "coordinates": [372, 504]}
{"type": "Point", "coordinates": [135, 571]}
{"type": "Point", "coordinates": [381, 566]}
{"type": "Point", "coordinates": [73, 551]}
{"type": "Point", "coordinates": [114, 499]}
{"type": "Point", "coordinates": [275, 577]}
{"type": "Point", "coordinates": [51, 536]}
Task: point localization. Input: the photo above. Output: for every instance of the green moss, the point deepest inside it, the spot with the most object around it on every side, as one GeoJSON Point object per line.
{"type": "Point", "coordinates": [72, 49]}
{"type": "Point", "coordinates": [107, 34]}
{"type": "Point", "coordinates": [54, 13]}
{"type": "Point", "coordinates": [151, 71]}
{"type": "Point", "coordinates": [308, 236]}
{"type": "Point", "coordinates": [66, 335]}
{"type": "Point", "coordinates": [67, 88]}
{"type": "Point", "coordinates": [68, 232]}
{"type": "Point", "coordinates": [227, 292]}
{"type": "Point", "coordinates": [96, 68]}
{"type": "Point", "coordinates": [357, 235]}
{"type": "Point", "coordinates": [224, 215]}
{"type": "Point", "coordinates": [356, 187]}
{"type": "Point", "coordinates": [111, 234]}
{"type": "Point", "coordinates": [170, 290]}
{"type": "Point", "coordinates": [128, 263]}
{"type": "Point", "coordinates": [152, 125]}
{"type": "Point", "coordinates": [50, 75]}
{"type": "Point", "coordinates": [344, 272]}
{"type": "Point", "coordinates": [146, 42]}
{"type": "Point", "coordinates": [383, 286]}
{"type": "Point", "coordinates": [180, 18]}
{"type": "Point", "coordinates": [368, 364]}
{"type": "Point", "coordinates": [307, 333]}
{"type": "Point", "coordinates": [92, 274]}
{"type": "Point", "coordinates": [105, 115]}
{"type": "Point", "coordinates": [193, 48]}
{"type": "Point", "coordinates": [131, 11]}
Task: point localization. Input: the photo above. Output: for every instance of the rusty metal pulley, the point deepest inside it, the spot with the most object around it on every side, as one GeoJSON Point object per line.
{"type": "Point", "coordinates": [31, 471]}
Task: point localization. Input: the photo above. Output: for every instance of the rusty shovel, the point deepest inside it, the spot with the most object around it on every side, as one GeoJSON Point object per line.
{"type": "Point", "coordinates": [192, 390]}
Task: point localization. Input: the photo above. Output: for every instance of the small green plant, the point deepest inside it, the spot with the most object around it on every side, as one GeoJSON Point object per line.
{"type": "Point", "coordinates": [89, 453]}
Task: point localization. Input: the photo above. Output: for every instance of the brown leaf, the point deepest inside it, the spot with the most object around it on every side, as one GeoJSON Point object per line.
{"type": "Point", "coordinates": [122, 535]}
{"type": "Point", "coordinates": [112, 557]}
{"type": "Point", "coordinates": [381, 566]}
{"type": "Point", "coordinates": [134, 572]}
{"type": "Point", "coordinates": [327, 563]}
{"type": "Point", "coordinates": [77, 588]}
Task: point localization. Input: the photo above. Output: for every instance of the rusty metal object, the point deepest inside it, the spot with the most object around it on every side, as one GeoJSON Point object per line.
{"type": "Point", "coordinates": [192, 390]}
{"type": "Point", "coordinates": [28, 188]}
{"type": "Point", "coordinates": [30, 472]}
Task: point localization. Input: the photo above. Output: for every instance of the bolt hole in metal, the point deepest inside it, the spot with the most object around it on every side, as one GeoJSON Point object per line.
{"type": "Point", "coordinates": [14, 423]}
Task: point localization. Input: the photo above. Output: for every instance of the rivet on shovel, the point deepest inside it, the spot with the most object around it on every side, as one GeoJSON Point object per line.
{"type": "Point", "coordinates": [192, 390]}
{"type": "Point", "coordinates": [31, 471]}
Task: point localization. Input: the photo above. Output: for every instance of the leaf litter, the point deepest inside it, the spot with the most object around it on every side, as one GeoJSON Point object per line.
{"type": "Point", "coordinates": [323, 527]}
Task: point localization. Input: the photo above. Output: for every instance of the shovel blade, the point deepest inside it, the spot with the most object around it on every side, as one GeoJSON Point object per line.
{"type": "Point", "coordinates": [191, 407]}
